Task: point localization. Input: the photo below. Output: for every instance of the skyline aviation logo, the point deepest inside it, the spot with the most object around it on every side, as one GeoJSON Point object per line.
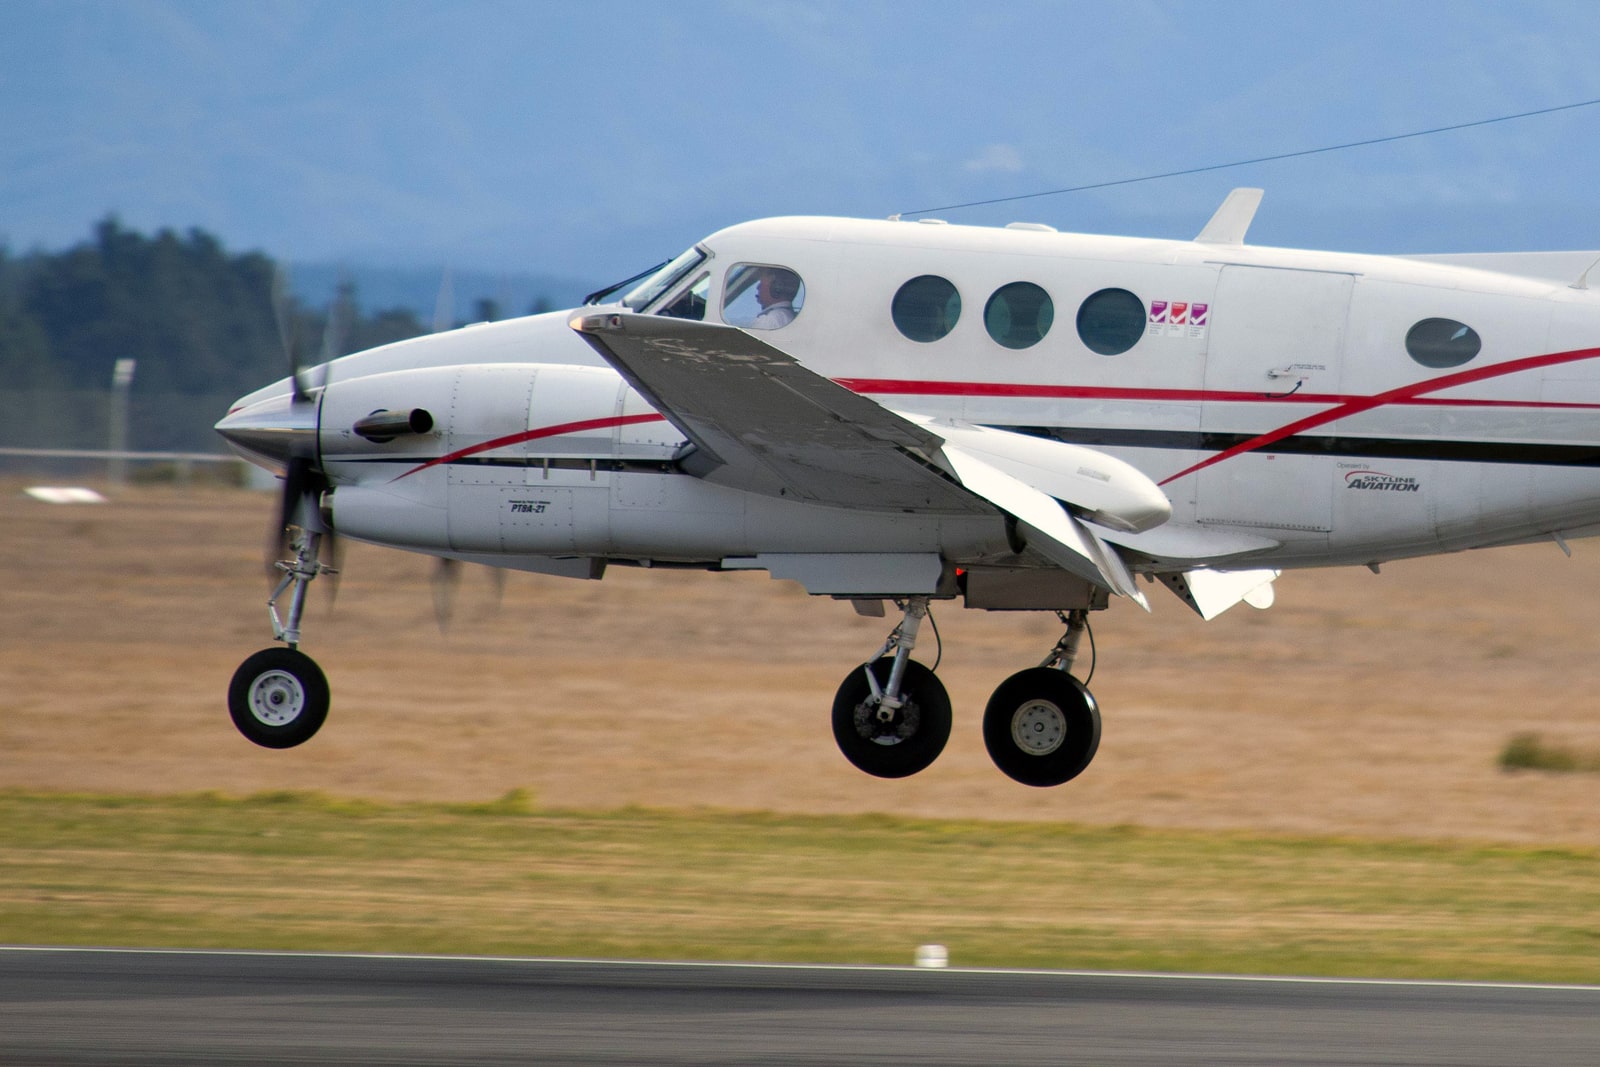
{"type": "Point", "coordinates": [1381, 482]}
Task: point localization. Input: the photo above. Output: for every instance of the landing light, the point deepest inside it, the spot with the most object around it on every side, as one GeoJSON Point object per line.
{"type": "Point", "coordinates": [595, 323]}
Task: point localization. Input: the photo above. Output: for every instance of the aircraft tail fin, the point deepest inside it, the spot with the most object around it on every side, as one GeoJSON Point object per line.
{"type": "Point", "coordinates": [1232, 220]}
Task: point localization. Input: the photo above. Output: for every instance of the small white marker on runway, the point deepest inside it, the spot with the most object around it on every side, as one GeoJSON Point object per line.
{"type": "Point", "coordinates": [55, 494]}
{"type": "Point", "coordinates": [932, 956]}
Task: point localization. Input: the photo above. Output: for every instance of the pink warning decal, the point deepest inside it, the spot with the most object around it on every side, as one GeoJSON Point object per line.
{"type": "Point", "coordinates": [1158, 311]}
{"type": "Point", "coordinates": [1180, 313]}
{"type": "Point", "coordinates": [1197, 314]}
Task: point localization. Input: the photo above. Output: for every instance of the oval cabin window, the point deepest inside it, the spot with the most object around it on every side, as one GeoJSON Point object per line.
{"type": "Point", "coordinates": [1019, 315]}
{"type": "Point", "coordinates": [926, 308]}
{"type": "Point", "coordinates": [1442, 343]}
{"type": "Point", "coordinates": [1111, 321]}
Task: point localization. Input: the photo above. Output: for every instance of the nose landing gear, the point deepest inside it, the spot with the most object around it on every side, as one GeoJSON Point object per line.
{"type": "Point", "coordinates": [279, 697]}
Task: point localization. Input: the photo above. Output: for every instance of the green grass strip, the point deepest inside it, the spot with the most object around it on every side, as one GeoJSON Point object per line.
{"type": "Point", "coordinates": [297, 871]}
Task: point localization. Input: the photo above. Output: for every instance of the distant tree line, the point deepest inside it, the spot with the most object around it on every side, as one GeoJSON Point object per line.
{"type": "Point", "coordinates": [197, 318]}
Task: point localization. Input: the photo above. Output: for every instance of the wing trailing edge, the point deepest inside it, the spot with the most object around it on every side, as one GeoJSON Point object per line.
{"type": "Point", "coordinates": [762, 422]}
{"type": "Point", "coordinates": [1209, 593]}
{"type": "Point", "coordinates": [1046, 525]}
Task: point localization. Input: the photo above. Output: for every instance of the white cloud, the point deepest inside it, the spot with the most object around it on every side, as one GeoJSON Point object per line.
{"type": "Point", "coordinates": [996, 157]}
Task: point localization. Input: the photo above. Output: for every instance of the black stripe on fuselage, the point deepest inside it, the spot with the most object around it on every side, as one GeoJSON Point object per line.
{"type": "Point", "coordinates": [1328, 445]}
{"type": "Point", "coordinates": [561, 463]}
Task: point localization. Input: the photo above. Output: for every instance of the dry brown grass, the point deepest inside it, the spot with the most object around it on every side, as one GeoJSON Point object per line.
{"type": "Point", "coordinates": [1360, 704]}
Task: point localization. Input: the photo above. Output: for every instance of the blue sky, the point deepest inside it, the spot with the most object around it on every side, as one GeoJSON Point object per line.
{"type": "Point", "coordinates": [589, 141]}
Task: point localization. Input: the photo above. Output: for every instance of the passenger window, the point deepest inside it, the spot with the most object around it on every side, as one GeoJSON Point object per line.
{"type": "Point", "coordinates": [1019, 315]}
{"type": "Point", "coordinates": [692, 303]}
{"type": "Point", "coordinates": [1111, 321]}
{"type": "Point", "coordinates": [1440, 343]}
{"type": "Point", "coordinates": [759, 296]}
{"type": "Point", "coordinates": [926, 308]}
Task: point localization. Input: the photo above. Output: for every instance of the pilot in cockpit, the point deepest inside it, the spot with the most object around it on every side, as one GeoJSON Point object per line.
{"type": "Point", "coordinates": [759, 296]}
{"type": "Point", "coordinates": [775, 292]}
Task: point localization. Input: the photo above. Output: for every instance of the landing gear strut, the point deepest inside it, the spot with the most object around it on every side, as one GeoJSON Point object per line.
{"type": "Point", "coordinates": [891, 716]}
{"type": "Point", "coordinates": [279, 697]}
{"type": "Point", "coordinates": [1042, 726]}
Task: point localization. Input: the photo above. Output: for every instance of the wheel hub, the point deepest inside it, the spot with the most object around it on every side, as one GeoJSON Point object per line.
{"type": "Point", "coordinates": [1039, 727]}
{"type": "Point", "coordinates": [277, 698]}
{"type": "Point", "coordinates": [900, 726]}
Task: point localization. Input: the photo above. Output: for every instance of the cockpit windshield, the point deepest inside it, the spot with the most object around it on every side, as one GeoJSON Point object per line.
{"type": "Point", "coordinates": [648, 291]}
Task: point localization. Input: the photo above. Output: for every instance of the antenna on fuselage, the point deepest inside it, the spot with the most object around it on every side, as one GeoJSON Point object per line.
{"type": "Point", "coordinates": [1583, 279]}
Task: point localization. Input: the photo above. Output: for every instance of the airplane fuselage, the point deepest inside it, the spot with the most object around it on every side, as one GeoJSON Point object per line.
{"type": "Point", "coordinates": [908, 411]}
{"type": "Point", "coordinates": [1268, 391]}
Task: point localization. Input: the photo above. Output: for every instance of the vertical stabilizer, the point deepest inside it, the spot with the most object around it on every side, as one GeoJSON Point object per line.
{"type": "Point", "coordinates": [1232, 220]}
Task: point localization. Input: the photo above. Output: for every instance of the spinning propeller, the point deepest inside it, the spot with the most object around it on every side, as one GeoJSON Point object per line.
{"type": "Point", "coordinates": [299, 505]}
{"type": "Point", "coordinates": [293, 442]}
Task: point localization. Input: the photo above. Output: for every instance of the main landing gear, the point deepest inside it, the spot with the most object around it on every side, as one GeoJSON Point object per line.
{"type": "Point", "coordinates": [279, 697]}
{"type": "Point", "coordinates": [891, 717]}
{"type": "Point", "coordinates": [1042, 726]}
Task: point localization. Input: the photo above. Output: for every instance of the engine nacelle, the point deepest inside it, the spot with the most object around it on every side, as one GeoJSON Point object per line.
{"type": "Point", "coordinates": [535, 460]}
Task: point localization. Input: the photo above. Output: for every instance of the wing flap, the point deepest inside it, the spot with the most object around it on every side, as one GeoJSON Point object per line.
{"type": "Point", "coordinates": [1210, 592]}
{"type": "Point", "coordinates": [1049, 529]}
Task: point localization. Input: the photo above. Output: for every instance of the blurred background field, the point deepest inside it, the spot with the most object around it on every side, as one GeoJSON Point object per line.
{"type": "Point", "coordinates": [1372, 705]}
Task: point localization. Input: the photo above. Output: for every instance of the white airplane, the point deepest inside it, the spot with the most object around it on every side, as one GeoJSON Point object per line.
{"type": "Point", "coordinates": [913, 411]}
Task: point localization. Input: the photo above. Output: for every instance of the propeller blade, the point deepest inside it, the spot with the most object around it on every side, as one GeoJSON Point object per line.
{"type": "Point", "coordinates": [497, 581]}
{"type": "Point", "coordinates": [299, 505]}
{"type": "Point", "coordinates": [446, 580]}
{"type": "Point", "coordinates": [295, 478]}
{"type": "Point", "coordinates": [333, 546]}
{"type": "Point", "coordinates": [284, 311]}
{"type": "Point", "coordinates": [444, 305]}
{"type": "Point", "coordinates": [337, 324]}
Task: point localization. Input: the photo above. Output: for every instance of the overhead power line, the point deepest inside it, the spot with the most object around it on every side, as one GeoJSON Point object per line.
{"type": "Point", "coordinates": [1258, 159]}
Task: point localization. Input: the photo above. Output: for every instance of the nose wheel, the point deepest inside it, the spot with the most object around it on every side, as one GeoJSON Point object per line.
{"type": "Point", "coordinates": [278, 698]}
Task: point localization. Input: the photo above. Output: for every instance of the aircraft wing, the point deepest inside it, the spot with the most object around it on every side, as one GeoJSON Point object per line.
{"type": "Point", "coordinates": [762, 422]}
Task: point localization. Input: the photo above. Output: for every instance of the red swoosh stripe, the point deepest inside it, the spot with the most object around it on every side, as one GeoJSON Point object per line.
{"type": "Point", "coordinates": [1400, 395]}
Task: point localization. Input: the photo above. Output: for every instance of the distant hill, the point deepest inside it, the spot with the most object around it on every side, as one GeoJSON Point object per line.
{"type": "Point", "coordinates": [416, 289]}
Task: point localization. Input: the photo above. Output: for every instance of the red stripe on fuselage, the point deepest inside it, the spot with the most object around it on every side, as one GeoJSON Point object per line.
{"type": "Point", "coordinates": [1342, 405]}
{"type": "Point", "coordinates": [534, 435]}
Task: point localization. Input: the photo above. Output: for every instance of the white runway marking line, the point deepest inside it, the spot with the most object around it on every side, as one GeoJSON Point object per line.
{"type": "Point", "coordinates": [870, 968]}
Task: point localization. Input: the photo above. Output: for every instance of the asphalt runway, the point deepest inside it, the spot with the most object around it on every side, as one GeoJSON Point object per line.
{"type": "Point", "coordinates": [127, 1007]}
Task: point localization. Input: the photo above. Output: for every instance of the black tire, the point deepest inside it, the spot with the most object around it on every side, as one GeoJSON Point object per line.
{"type": "Point", "coordinates": [278, 698]}
{"type": "Point", "coordinates": [911, 740]}
{"type": "Point", "coordinates": [1042, 727]}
